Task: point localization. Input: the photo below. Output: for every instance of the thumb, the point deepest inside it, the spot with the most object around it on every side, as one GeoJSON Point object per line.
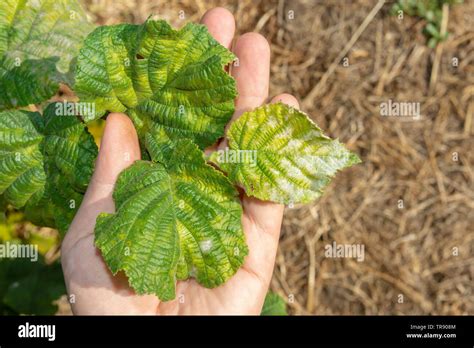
{"type": "Point", "coordinates": [119, 148]}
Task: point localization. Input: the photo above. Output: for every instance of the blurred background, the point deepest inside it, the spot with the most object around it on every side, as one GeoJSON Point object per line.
{"type": "Point", "coordinates": [410, 203]}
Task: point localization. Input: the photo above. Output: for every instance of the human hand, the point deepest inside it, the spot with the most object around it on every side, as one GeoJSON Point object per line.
{"type": "Point", "coordinates": [92, 287]}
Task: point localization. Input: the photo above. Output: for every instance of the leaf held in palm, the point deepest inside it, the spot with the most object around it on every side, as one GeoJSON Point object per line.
{"type": "Point", "coordinates": [173, 221]}
{"type": "Point", "coordinates": [277, 153]}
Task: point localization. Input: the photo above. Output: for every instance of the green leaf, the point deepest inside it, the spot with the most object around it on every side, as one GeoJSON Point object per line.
{"type": "Point", "coordinates": [46, 163]}
{"type": "Point", "coordinates": [41, 212]}
{"type": "Point", "coordinates": [28, 287]}
{"type": "Point", "coordinates": [58, 205]}
{"type": "Point", "coordinates": [22, 173]}
{"type": "Point", "coordinates": [170, 81]}
{"type": "Point", "coordinates": [3, 209]}
{"type": "Point", "coordinates": [173, 222]}
{"type": "Point", "coordinates": [274, 305]}
{"type": "Point", "coordinates": [69, 147]}
{"type": "Point", "coordinates": [429, 10]}
{"type": "Point", "coordinates": [432, 42]}
{"type": "Point", "coordinates": [277, 153]}
{"type": "Point", "coordinates": [38, 42]}
{"type": "Point", "coordinates": [433, 30]}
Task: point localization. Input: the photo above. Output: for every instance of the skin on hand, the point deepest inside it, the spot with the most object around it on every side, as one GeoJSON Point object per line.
{"type": "Point", "coordinates": [91, 286]}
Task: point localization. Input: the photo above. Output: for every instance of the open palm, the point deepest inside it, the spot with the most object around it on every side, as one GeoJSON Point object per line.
{"type": "Point", "coordinates": [94, 290]}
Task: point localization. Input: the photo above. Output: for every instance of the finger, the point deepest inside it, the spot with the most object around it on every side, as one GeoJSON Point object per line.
{"type": "Point", "coordinates": [262, 224]}
{"type": "Point", "coordinates": [119, 149]}
{"type": "Point", "coordinates": [252, 72]}
{"type": "Point", "coordinates": [221, 24]}
{"type": "Point", "coordinates": [287, 99]}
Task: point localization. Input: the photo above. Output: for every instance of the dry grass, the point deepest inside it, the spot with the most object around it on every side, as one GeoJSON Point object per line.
{"type": "Point", "coordinates": [408, 251]}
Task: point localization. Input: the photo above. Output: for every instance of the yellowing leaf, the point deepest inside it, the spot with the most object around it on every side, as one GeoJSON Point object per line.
{"type": "Point", "coordinates": [277, 153]}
